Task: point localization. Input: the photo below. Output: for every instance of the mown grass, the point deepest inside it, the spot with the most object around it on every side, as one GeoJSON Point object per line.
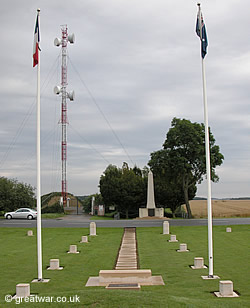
{"type": "Point", "coordinates": [183, 286]}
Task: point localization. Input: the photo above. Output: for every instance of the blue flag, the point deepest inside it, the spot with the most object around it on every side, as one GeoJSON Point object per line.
{"type": "Point", "coordinates": [202, 36]}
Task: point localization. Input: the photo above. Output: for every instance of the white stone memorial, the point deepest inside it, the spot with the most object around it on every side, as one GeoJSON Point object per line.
{"type": "Point", "coordinates": [229, 230]}
{"type": "Point", "coordinates": [73, 249]}
{"type": "Point", "coordinates": [165, 227]}
{"type": "Point", "coordinates": [150, 195]}
{"type": "Point", "coordinates": [226, 289]}
{"type": "Point", "coordinates": [30, 233]}
{"type": "Point", "coordinates": [183, 248]}
{"type": "Point", "coordinates": [173, 238]}
{"type": "Point", "coordinates": [92, 229]}
{"type": "Point", "coordinates": [22, 290]}
{"type": "Point", "coordinates": [54, 264]}
{"type": "Point", "coordinates": [151, 210]}
{"type": "Point", "coordinates": [198, 263]}
{"type": "Point", "coordinates": [84, 239]}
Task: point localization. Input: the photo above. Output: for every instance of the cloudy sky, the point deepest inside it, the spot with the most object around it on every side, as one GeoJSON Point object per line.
{"type": "Point", "coordinates": [134, 66]}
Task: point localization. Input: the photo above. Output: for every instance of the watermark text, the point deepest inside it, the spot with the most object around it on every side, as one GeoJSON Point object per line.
{"type": "Point", "coordinates": [42, 299]}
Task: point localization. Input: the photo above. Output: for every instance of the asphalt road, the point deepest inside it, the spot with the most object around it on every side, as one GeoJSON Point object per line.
{"type": "Point", "coordinates": [73, 221]}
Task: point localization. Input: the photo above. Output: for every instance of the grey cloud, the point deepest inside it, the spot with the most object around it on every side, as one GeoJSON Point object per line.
{"type": "Point", "coordinates": [141, 62]}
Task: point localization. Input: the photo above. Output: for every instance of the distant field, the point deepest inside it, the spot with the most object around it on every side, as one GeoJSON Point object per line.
{"type": "Point", "coordinates": [221, 208]}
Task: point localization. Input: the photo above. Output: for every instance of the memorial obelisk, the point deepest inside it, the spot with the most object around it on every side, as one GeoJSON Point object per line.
{"type": "Point", "coordinates": [151, 210]}
{"type": "Point", "coordinates": [151, 195]}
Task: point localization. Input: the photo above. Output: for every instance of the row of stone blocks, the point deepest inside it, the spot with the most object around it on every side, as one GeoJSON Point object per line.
{"type": "Point", "coordinates": [55, 263]}
{"type": "Point", "coordinates": [225, 286]}
{"type": "Point", "coordinates": [138, 277]}
{"type": "Point", "coordinates": [166, 228]}
{"type": "Point", "coordinates": [23, 289]}
{"type": "Point", "coordinates": [92, 230]}
{"type": "Point", "coordinates": [198, 261]}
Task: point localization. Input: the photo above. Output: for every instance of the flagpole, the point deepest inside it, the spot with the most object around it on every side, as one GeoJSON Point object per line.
{"type": "Point", "coordinates": [209, 202]}
{"type": "Point", "coordinates": [39, 237]}
{"type": "Point", "coordinates": [208, 168]}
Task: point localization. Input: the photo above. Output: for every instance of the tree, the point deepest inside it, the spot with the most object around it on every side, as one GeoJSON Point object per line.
{"type": "Point", "coordinates": [109, 185]}
{"type": "Point", "coordinates": [168, 188]}
{"type": "Point", "coordinates": [14, 194]}
{"type": "Point", "coordinates": [87, 202]}
{"type": "Point", "coordinates": [124, 188]}
{"type": "Point", "coordinates": [183, 157]}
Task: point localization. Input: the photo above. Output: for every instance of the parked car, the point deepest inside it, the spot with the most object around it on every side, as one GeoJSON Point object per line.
{"type": "Point", "coordinates": [24, 213]}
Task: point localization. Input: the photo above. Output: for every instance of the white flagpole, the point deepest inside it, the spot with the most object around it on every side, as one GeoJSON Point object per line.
{"type": "Point", "coordinates": [39, 237]}
{"type": "Point", "coordinates": [209, 203]}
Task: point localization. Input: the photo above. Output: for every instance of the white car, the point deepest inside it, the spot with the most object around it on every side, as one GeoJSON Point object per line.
{"type": "Point", "coordinates": [24, 213]}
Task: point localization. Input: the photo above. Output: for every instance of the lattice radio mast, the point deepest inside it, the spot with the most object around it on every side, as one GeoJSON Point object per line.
{"type": "Point", "coordinates": [63, 91]}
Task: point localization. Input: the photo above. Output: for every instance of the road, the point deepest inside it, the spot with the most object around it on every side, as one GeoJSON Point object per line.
{"type": "Point", "coordinates": [80, 221]}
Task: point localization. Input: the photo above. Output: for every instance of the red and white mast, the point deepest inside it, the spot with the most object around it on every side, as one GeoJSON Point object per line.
{"type": "Point", "coordinates": [63, 91]}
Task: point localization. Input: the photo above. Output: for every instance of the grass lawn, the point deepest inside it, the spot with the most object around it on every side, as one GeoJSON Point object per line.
{"type": "Point", "coordinates": [184, 286]}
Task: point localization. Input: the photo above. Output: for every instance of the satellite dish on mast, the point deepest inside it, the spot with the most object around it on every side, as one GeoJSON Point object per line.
{"type": "Point", "coordinates": [71, 95]}
{"type": "Point", "coordinates": [71, 38]}
{"type": "Point", "coordinates": [57, 42]}
{"type": "Point", "coordinates": [57, 90]}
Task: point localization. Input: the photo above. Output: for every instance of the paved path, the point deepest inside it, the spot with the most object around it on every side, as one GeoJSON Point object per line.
{"type": "Point", "coordinates": [127, 256]}
{"type": "Point", "coordinates": [82, 221]}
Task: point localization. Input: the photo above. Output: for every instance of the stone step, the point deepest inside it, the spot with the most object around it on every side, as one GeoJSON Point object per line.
{"type": "Point", "coordinates": [125, 263]}
{"type": "Point", "coordinates": [126, 268]}
{"type": "Point", "coordinates": [124, 276]}
{"type": "Point", "coordinates": [124, 286]}
{"type": "Point", "coordinates": [127, 260]}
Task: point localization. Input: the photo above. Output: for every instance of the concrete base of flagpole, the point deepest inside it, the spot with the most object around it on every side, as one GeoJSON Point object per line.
{"type": "Point", "coordinates": [210, 277]}
{"type": "Point", "coordinates": [44, 280]}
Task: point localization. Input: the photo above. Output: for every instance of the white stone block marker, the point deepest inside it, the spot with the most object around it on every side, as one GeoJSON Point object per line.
{"type": "Point", "coordinates": [198, 263]}
{"type": "Point", "coordinates": [183, 248]}
{"type": "Point", "coordinates": [165, 227]}
{"type": "Point", "coordinates": [84, 239]}
{"type": "Point", "coordinates": [30, 233]}
{"type": "Point", "coordinates": [173, 238]}
{"type": "Point", "coordinates": [73, 249]}
{"type": "Point", "coordinates": [92, 229]}
{"type": "Point", "coordinates": [229, 230]}
{"type": "Point", "coordinates": [54, 265]}
{"type": "Point", "coordinates": [22, 290]}
{"type": "Point", "coordinates": [226, 289]}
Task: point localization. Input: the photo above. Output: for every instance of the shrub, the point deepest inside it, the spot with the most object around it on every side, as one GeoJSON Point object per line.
{"type": "Point", "coordinates": [55, 208]}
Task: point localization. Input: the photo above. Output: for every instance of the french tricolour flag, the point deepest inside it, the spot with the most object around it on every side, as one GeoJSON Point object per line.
{"type": "Point", "coordinates": [36, 43]}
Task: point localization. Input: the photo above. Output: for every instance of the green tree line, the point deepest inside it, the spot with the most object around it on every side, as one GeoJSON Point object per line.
{"type": "Point", "coordinates": [178, 167]}
{"type": "Point", "coordinates": [14, 194]}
